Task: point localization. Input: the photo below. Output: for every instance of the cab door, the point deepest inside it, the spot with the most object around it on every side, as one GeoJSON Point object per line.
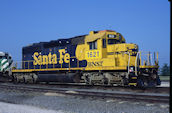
{"type": "Point", "coordinates": [104, 48]}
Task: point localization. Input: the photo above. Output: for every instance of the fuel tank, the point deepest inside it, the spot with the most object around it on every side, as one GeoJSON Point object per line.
{"type": "Point", "coordinates": [60, 77]}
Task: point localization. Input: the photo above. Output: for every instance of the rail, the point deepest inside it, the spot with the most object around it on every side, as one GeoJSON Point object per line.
{"type": "Point", "coordinates": [149, 97]}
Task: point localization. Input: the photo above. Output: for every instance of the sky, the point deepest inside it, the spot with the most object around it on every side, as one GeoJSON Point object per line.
{"type": "Point", "coordinates": [143, 22]}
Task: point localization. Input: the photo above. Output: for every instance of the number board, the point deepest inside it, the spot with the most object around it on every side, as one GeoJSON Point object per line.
{"type": "Point", "coordinates": [93, 54]}
{"type": "Point", "coordinates": [111, 36]}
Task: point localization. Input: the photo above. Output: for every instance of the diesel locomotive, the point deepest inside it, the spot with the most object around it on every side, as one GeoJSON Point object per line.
{"type": "Point", "coordinates": [100, 57]}
{"type": "Point", "coordinates": [5, 64]}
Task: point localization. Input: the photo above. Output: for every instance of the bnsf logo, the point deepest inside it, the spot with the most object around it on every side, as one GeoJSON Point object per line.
{"type": "Point", "coordinates": [51, 58]}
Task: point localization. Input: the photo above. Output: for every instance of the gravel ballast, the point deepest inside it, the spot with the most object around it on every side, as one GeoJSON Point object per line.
{"type": "Point", "coordinates": [35, 102]}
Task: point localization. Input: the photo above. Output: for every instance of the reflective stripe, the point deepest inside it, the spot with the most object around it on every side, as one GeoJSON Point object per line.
{"type": "Point", "coordinates": [5, 65]}
{"type": "Point", "coordinates": [134, 77]}
{"type": "Point", "coordinates": [4, 60]}
{"type": "Point", "coordinates": [132, 84]}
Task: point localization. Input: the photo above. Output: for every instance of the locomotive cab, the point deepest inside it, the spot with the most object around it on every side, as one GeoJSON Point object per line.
{"type": "Point", "coordinates": [108, 50]}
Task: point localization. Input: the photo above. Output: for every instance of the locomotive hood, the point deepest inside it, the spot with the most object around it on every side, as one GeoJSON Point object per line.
{"type": "Point", "coordinates": [123, 48]}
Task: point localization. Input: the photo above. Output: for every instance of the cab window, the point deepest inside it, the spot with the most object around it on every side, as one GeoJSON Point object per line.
{"type": "Point", "coordinates": [93, 45]}
{"type": "Point", "coordinates": [111, 36]}
{"type": "Point", "coordinates": [3, 57]}
{"type": "Point", "coordinates": [113, 41]}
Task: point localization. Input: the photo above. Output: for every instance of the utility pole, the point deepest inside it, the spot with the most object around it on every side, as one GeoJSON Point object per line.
{"type": "Point", "coordinates": [170, 58]}
{"type": "Point", "coordinates": [170, 41]}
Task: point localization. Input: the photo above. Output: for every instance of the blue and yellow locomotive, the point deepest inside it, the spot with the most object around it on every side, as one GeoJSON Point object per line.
{"type": "Point", "coordinates": [101, 57]}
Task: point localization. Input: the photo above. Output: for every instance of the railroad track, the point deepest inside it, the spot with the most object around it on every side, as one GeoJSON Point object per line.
{"type": "Point", "coordinates": [162, 90]}
{"type": "Point", "coordinates": [123, 95]}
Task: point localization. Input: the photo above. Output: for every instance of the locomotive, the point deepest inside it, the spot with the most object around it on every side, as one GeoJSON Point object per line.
{"type": "Point", "coordinates": [5, 64]}
{"type": "Point", "coordinates": [100, 57]}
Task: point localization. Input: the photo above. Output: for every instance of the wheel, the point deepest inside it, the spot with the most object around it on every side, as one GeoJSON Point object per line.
{"type": "Point", "coordinates": [15, 80]}
{"type": "Point", "coordinates": [140, 82]}
{"type": "Point", "coordinates": [33, 80]}
{"type": "Point", "coordinates": [25, 80]}
{"type": "Point", "coordinates": [158, 81]}
{"type": "Point", "coordinates": [105, 81]}
{"type": "Point", "coordinates": [47, 82]}
{"type": "Point", "coordinates": [151, 83]}
{"type": "Point", "coordinates": [125, 81]}
{"type": "Point", "coordinates": [91, 82]}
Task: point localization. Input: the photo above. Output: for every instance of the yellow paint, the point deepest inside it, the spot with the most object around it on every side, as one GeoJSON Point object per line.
{"type": "Point", "coordinates": [67, 69]}
{"type": "Point", "coordinates": [44, 59]}
{"type": "Point", "coordinates": [61, 51]}
{"type": "Point", "coordinates": [95, 64]}
{"type": "Point", "coordinates": [132, 84]}
{"type": "Point", "coordinates": [92, 37]}
{"type": "Point", "coordinates": [153, 66]}
{"type": "Point", "coordinates": [134, 77]}
{"type": "Point", "coordinates": [93, 54]}
{"type": "Point", "coordinates": [80, 52]}
{"type": "Point", "coordinates": [67, 58]}
{"type": "Point", "coordinates": [54, 59]}
{"type": "Point", "coordinates": [51, 58]}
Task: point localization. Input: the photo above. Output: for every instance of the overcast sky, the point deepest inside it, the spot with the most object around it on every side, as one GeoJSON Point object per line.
{"type": "Point", "coordinates": [144, 22]}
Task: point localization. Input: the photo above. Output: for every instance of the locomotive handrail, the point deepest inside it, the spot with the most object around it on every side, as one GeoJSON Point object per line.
{"type": "Point", "coordinates": [148, 58]}
{"type": "Point", "coordinates": [29, 64]}
{"type": "Point", "coordinates": [128, 60]}
{"type": "Point", "coordinates": [138, 53]}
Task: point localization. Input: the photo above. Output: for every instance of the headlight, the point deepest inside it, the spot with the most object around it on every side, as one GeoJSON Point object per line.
{"type": "Point", "coordinates": [131, 69]}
